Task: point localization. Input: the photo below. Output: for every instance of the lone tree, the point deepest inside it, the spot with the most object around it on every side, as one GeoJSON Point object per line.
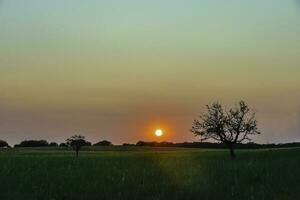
{"type": "Point", "coordinates": [76, 142]}
{"type": "Point", "coordinates": [227, 126]}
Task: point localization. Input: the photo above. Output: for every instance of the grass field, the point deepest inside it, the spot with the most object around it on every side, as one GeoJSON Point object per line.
{"type": "Point", "coordinates": [149, 174]}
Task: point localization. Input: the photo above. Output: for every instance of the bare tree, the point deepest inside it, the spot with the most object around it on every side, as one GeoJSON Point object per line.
{"type": "Point", "coordinates": [229, 127]}
{"type": "Point", "coordinates": [77, 142]}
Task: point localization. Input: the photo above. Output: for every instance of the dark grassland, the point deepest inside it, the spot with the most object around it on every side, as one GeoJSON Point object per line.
{"type": "Point", "coordinates": [149, 174]}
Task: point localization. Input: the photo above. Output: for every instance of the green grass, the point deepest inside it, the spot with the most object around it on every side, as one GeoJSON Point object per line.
{"type": "Point", "coordinates": [149, 174]}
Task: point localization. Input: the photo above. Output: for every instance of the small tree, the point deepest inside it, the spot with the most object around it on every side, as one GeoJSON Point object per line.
{"type": "Point", "coordinates": [229, 127]}
{"type": "Point", "coordinates": [77, 142]}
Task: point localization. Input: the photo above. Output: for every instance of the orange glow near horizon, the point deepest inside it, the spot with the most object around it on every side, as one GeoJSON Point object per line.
{"type": "Point", "coordinates": [159, 130]}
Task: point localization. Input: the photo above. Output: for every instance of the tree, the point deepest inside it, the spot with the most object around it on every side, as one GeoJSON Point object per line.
{"type": "Point", "coordinates": [62, 144]}
{"type": "Point", "coordinates": [53, 144]}
{"type": "Point", "coordinates": [77, 142]}
{"type": "Point", "coordinates": [3, 144]}
{"type": "Point", "coordinates": [103, 143]}
{"type": "Point", "coordinates": [228, 127]}
{"type": "Point", "coordinates": [128, 144]}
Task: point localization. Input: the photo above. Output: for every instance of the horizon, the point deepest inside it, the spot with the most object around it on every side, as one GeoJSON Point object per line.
{"type": "Point", "coordinates": [119, 70]}
{"type": "Point", "coordinates": [153, 141]}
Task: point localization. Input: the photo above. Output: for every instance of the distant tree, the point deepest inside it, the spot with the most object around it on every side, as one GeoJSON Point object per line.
{"type": "Point", "coordinates": [140, 143]}
{"type": "Point", "coordinates": [229, 127]}
{"type": "Point", "coordinates": [3, 144]}
{"type": "Point", "coordinates": [53, 144]}
{"type": "Point", "coordinates": [166, 144]}
{"type": "Point", "coordinates": [103, 143]}
{"type": "Point", "coordinates": [63, 144]}
{"type": "Point", "coordinates": [149, 144]}
{"type": "Point", "coordinates": [127, 144]}
{"type": "Point", "coordinates": [77, 142]}
{"type": "Point", "coordinates": [33, 143]}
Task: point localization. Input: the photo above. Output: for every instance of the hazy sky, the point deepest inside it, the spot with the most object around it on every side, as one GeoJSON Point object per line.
{"type": "Point", "coordinates": [119, 69]}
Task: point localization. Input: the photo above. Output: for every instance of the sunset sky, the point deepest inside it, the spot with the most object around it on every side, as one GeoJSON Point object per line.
{"type": "Point", "coordinates": [120, 69]}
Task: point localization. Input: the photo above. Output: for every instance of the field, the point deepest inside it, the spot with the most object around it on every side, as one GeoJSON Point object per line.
{"type": "Point", "coordinates": [149, 173]}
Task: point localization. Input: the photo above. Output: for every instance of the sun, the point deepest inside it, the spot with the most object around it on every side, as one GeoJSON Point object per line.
{"type": "Point", "coordinates": [158, 132]}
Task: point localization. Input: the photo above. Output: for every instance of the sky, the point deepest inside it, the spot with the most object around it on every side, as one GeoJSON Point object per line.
{"type": "Point", "coordinates": [119, 69]}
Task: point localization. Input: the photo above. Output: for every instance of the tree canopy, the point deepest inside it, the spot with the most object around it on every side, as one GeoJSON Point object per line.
{"type": "Point", "coordinates": [77, 142]}
{"type": "Point", "coordinates": [227, 126]}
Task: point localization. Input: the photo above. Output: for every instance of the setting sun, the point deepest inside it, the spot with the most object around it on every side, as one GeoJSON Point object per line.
{"type": "Point", "coordinates": [159, 132]}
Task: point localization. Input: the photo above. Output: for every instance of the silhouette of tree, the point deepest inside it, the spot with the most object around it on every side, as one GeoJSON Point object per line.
{"type": "Point", "coordinates": [128, 144]}
{"type": "Point", "coordinates": [77, 142]}
{"type": "Point", "coordinates": [141, 143]}
{"type": "Point", "coordinates": [229, 127]}
{"type": "Point", "coordinates": [53, 144]}
{"type": "Point", "coordinates": [3, 144]}
{"type": "Point", "coordinates": [103, 143]}
{"type": "Point", "coordinates": [62, 144]}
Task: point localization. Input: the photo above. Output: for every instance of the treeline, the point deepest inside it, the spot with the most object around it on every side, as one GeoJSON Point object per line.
{"type": "Point", "coordinates": [208, 145]}
{"type": "Point", "coordinates": [44, 143]}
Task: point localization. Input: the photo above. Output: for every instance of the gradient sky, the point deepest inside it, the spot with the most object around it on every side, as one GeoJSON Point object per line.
{"type": "Point", "coordinates": [118, 69]}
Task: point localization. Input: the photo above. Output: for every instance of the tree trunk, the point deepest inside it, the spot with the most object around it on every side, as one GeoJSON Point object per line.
{"type": "Point", "coordinates": [232, 154]}
{"type": "Point", "coordinates": [77, 153]}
